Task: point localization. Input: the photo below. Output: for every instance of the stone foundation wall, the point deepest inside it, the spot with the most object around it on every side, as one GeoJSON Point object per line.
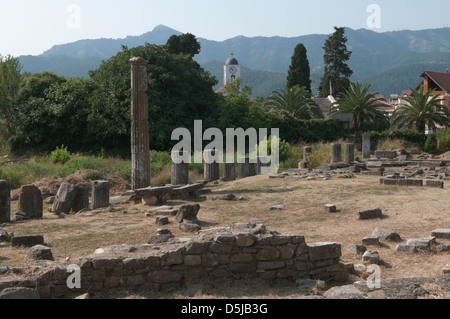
{"type": "Point", "coordinates": [243, 251]}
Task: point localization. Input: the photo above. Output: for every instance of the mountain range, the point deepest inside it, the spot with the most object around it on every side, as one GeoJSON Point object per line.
{"type": "Point", "coordinates": [390, 61]}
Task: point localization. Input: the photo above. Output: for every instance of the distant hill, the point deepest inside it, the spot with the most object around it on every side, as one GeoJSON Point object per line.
{"type": "Point", "coordinates": [403, 77]}
{"type": "Point", "coordinates": [373, 54]}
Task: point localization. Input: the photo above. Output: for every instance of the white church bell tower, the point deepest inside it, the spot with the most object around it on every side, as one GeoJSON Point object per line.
{"type": "Point", "coordinates": [232, 70]}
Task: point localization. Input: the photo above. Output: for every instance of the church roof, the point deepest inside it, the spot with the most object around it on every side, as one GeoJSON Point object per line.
{"type": "Point", "coordinates": [223, 90]}
{"type": "Point", "coordinates": [232, 61]}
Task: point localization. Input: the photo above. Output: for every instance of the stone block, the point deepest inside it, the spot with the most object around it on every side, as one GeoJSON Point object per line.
{"type": "Point", "coordinates": [446, 270]}
{"type": "Point", "coordinates": [81, 200]}
{"type": "Point", "coordinates": [100, 194]}
{"type": "Point", "coordinates": [436, 184]}
{"type": "Point", "coordinates": [356, 249]}
{"type": "Point", "coordinates": [405, 249]}
{"type": "Point", "coordinates": [27, 241]}
{"type": "Point", "coordinates": [164, 276]}
{"type": "Point", "coordinates": [370, 214]}
{"type": "Point", "coordinates": [372, 257]}
{"type": "Point", "coordinates": [40, 252]}
{"type": "Point", "coordinates": [162, 220]}
{"type": "Point", "coordinates": [30, 202]}
{"type": "Point", "coordinates": [322, 251]}
{"type": "Point", "coordinates": [386, 234]}
{"type": "Point", "coordinates": [187, 212]}
{"type": "Point", "coordinates": [371, 241]}
{"type": "Point", "coordinates": [410, 182]}
{"type": "Point", "coordinates": [441, 233]}
{"type": "Point", "coordinates": [64, 199]}
{"type": "Point", "coordinates": [386, 154]}
{"type": "Point", "coordinates": [5, 202]}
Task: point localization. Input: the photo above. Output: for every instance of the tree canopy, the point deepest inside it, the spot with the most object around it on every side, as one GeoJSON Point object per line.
{"type": "Point", "coordinates": [422, 110]}
{"type": "Point", "coordinates": [296, 101]}
{"type": "Point", "coordinates": [336, 75]}
{"type": "Point", "coordinates": [360, 101]}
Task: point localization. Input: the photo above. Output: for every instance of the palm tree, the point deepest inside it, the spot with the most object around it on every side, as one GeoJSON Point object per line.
{"type": "Point", "coordinates": [422, 110]}
{"type": "Point", "coordinates": [297, 102]}
{"type": "Point", "coordinates": [362, 102]}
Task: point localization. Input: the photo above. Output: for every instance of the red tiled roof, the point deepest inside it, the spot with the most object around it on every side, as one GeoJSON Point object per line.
{"type": "Point", "coordinates": [406, 93]}
{"type": "Point", "coordinates": [441, 79]}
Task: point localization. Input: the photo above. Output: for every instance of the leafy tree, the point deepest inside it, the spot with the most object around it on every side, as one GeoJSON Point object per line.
{"type": "Point", "coordinates": [183, 44]}
{"type": "Point", "coordinates": [296, 101]}
{"type": "Point", "coordinates": [238, 110]}
{"type": "Point", "coordinates": [35, 85]}
{"type": "Point", "coordinates": [180, 91]}
{"type": "Point", "coordinates": [336, 71]}
{"type": "Point", "coordinates": [10, 78]}
{"type": "Point", "coordinates": [60, 118]}
{"type": "Point", "coordinates": [422, 110]}
{"type": "Point", "coordinates": [299, 72]}
{"type": "Point", "coordinates": [362, 102]}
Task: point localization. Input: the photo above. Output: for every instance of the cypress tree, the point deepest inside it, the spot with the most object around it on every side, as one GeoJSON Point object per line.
{"type": "Point", "coordinates": [299, 72]}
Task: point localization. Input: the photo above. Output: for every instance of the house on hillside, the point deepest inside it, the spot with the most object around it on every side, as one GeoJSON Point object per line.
{"type": "Point", "coordinates": [325, 105]}
{"type": "Point", "coordinates": [440, 82]}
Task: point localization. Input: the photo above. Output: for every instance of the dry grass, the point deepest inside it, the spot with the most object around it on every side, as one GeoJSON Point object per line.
{"type": "Point", "coordinates": [412, 212]}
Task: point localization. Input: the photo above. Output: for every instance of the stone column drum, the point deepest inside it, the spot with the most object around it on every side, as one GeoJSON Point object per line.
{"type": "Point", "coordinates": [81, 200]}
{"type": "Point", "coordinates": [263, 161]}
{"type": "Point", "coordinates": [212, 169]}
{"type": "Point", "coordinates": [366, 146]}
{"type": "Point", "coordinates": [253, 167]}
{"type": "Point", "coordinates": [180, 168]}
{"type": "Point", "coordinates": [349, 153]}
{"type": "Point", "coordinates": [306, 152]}
{"type": "Point", "coordinates": [336, 153]}
{"type": "Point", "coordinates": [30, 202]}
{"type": "Point", "coordinates": [243, 168]}
{"type": "Point", "coordinates": [229, 171]}
{"type": "Point", "coordinates": [5, 202]}
{"type": "Point", "coordinates": [140, 133]}
{"type": "Point", "coordinates": [100, 194]}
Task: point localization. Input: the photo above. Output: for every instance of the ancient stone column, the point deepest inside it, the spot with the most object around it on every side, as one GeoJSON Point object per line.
{"type": "Point", "coordinates": [349, 153]}
{"type": "Point", "coordinates": [336, 153]}
{"type": "Point", "coordinates": [306, 152]}
{"type": "Point", "coordinates": [64, 199]}
{"type": "Point", "coordinates": [253, 167]}
{"type": "Point", "coordinates": [140, 133]}
{"type": "Point", "coordinates": [262, 162]}
{"type": "Point", "coordinates": [212, 168]}
{"type": "Point", "coordinates": [366, 146]}
{"type": "Point", "coordinates": [81, 200]}
{"type": "Point", "coordinates": [180, 168]}
{"type": "Point", "coordinates": [243, 168]}
{"type": "Point", "coordinates": [30, 202]}
{"type": "Point", "coordinates": [229, 171]}
{"type": "Point", "coordinates": [5, 202]}
{"type": "Point", "coordinates": [100, 194]}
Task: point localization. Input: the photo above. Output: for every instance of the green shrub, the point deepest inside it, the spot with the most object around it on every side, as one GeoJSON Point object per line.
{"type": "Point", "coordinates": [318, 158]}
{"type": "Point", "coordinates": [443, 141]}
{"type": "Point", "coordinates": [265, 147]}
{"type": "Point", "coordinates": [431, 144]}
{"type": "Point", "coordinates": [92, 176]}
{"type": "Point", "coordinates": [60, 155]}
{"type": "Point", "coordinates": [413, 138]}
{"type": "Point", "coordinates": [159, 161]}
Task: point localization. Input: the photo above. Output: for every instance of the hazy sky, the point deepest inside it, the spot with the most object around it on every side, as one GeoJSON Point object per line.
{"type": "Point", "coordinates": [33, 26]}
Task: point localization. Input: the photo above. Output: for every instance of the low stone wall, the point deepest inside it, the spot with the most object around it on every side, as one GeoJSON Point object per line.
{"type": "Point", "coordinates": [411, 182]}
{"type": "Point", "coordinates": [242, 251]}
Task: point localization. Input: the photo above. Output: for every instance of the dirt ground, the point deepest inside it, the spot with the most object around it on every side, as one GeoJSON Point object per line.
{"type": "Point", "coordinates": [410, 211]}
